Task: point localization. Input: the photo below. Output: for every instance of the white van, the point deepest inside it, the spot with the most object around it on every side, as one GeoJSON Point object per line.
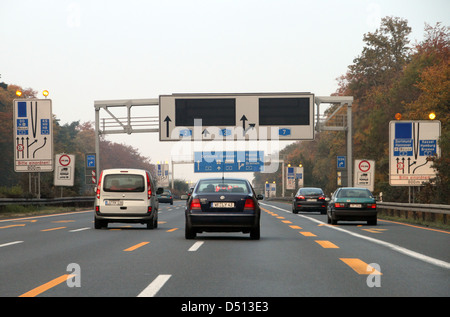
{"type": "Point", "coordinates": [126, 195]}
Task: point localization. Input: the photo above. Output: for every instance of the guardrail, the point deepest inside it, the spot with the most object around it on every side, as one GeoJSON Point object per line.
{"type": "Point", "coordinates": [431, 208]}
{"type": "Point", "coordinates": [48, 201]}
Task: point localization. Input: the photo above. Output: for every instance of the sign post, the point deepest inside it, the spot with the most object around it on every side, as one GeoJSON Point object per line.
{"type": "Point", "coordinates": [33, 135]}
{"type": "Point", "coordinates": [413, 145]}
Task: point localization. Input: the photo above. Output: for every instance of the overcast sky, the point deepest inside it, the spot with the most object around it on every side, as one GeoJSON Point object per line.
{"type": "Point", "coordinates": [82, 51]}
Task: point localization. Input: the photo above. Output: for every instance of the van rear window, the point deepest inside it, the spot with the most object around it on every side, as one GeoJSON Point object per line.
{"type": "Point", "coordinates": [123, 183]}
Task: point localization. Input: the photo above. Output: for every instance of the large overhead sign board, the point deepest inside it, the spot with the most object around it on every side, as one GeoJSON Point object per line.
{"type": "Point", "coordinates": [286, 116]}
{"type": "Point", "coordinates": [33, 135]}
{"type": "Point", "coordinates": [413, 145]}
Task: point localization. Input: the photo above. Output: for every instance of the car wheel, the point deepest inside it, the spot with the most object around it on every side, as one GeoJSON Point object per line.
{"type": "Point", "coordinates": [372, 222]}
{"type": "Point", "coordinates": [98, 224]}
{"type": "Point", "coordinates": [255, 233]}
{"type": "Point", "coordinates": [189, 233]}
{"type": "Point", "coordinates": [153, 223]}
{"type": "Point", "coordinates": [333, 219]}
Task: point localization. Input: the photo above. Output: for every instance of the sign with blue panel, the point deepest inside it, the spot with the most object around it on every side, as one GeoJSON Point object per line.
{"type": "Point", "coordinates": [33, 135]}
{"type": "Point", "coordinates": [341, 162]}
{"type": "Point", "coordinates": [413, 145]}
{"type": "Point", "coordinates": [232, 161]}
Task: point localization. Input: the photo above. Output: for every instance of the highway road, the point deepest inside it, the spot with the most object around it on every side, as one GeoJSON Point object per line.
{"type": "Point", "coordinates": [298, 255]}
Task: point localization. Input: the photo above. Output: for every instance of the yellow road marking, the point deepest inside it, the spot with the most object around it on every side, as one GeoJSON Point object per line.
{"type": "Point", "coordinates": [327, 244]}
{"type": "Point", "coordinates": [170, 230]}
{"type": "Point", "coordinates": [374, 230]}
{"type": "Point", "coordinates": [296, 227]}
{"type": "Point", "coordinates": [286, 221]}
{"type": "Point", "coordinates": [51, 229]}
{"type": "Point", "coordinates": [136, 246]}
{"type": "Point", "coordinates": [308, 234]}
{"type": "Point", "coordinates": [360, 267]}
{"type": "Point", "coordinates": [11, 226]}
{"type": "Point", "coordinates": [44, 287]}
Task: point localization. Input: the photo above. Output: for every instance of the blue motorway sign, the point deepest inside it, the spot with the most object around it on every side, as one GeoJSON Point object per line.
{"type": "Point", "coordinates": [237, 161]}
{"type": "Point", "coordinates": [341, 161]}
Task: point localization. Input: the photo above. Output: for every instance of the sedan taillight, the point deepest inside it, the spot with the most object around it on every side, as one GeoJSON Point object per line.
{"type": "Point", "coordinates": [249, 204]}
{"type": "Point", "coordinates": [300, 197]}
{"type": "Point", "coordinates": [195, 204]}
{"type": "Point", "coordinates": [339, 205]}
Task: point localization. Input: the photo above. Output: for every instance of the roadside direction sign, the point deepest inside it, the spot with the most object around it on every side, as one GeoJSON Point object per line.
{"type": "Point", "coordinates": [64, 170]}
{"type": "Point", "coordinates": [237, 161]}
{"type": "Point", "coordinates": [33, 135]}
{"type": "Point", "coordinates": [364, 175]}
{"type": "Point", "coordinates": [413, 146]}
{"type": "Point", "coordinates": [266, 116]}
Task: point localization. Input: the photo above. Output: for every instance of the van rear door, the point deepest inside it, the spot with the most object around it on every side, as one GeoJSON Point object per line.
{"type": "Point", "coordinates": [124, 193]}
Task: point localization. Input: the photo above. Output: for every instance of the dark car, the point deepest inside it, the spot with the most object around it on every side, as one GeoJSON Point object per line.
{"type": "Point", "coordinates": [223, 205]}
{"type": "Point", "coordinates": [166, 197]}
{"type": "Point", "coordinates": [309, 199]}
{"type": "Point", "coordinates": [352, 203]}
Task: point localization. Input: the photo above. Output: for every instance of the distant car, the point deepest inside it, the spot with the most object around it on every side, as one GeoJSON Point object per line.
{"type": "Point", "coordinates": [351, 203]}
{"type": "Point", "coordinates": [126, 195]}
{"type": "Point", "coordinates": [166, 197]}
{"type": "Point", "coordinates": [223, 205]}
{"type": "Point", "coordinates": [309, 199]}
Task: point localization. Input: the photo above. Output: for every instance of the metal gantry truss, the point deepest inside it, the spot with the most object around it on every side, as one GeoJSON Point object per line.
{"type": "Point", "coordinates": [338, 122]}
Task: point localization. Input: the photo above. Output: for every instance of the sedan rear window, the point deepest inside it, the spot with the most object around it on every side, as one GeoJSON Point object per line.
{"type": "Point", "coordinates": [222, 186]}
{"type": "Point", "coordinates": [354, 193]}
{"type": "Point", "coordinates": [123, 183]}
{"type": "Point", "coordinates": [310, 191]}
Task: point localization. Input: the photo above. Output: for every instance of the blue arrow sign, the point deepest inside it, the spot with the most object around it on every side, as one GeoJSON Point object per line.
{"type": "Point", "coordinates": [230, 162]}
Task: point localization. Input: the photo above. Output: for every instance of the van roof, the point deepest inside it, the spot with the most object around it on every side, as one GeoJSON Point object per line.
{"type": "Point", "coordinates": [124, 170]}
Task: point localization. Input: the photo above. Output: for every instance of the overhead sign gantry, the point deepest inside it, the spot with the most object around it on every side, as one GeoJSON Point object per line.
{"type": "Point", "coordinates": [236, 116]}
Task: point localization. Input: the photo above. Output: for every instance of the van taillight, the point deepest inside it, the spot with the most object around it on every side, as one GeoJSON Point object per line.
{"type": "Point", "coordinates": [249, 204]}
{"type": "Point", "coordinates": [99, 186]}
{"type": "Point", "coordinates": [149, 192]}
{"type": "Point", "coordinates": [195, 204]}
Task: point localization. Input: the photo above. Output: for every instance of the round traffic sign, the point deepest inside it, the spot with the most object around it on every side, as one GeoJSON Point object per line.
{"type": "Point", "coordinates": [364, 166]}
{"type": "Point", "coordinates": [64, 160]}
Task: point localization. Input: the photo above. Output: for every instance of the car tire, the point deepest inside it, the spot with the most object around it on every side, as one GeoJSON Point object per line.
{"type": "Point", "coordinates": [189, 233]}
{"type": "Point", "coordinates": [99, 224]}
{"type": "Point", "coordinates": [372, 222]}
{"type": "Point", "coordinates": [153, 223]}
{"type": "Point", "coordinates": [255, 233]}
{"type": "Point", "coordinates": [333, 219]}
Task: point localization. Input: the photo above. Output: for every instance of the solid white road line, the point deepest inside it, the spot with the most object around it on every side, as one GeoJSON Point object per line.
{"type": "Point", "coordinates": [391, 246]}
{"type": "Point", "coordinates": [10, 243]}
{"type": "Point", "coordinates": [81, 229]}
{"type": "Point", "coordinates": [196, 245]}
{"type": "Point", "coordinates": [155, 286]}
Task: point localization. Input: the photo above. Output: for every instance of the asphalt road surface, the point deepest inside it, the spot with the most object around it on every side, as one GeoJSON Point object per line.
{"type": "Point", "coordinates": [298, 255]}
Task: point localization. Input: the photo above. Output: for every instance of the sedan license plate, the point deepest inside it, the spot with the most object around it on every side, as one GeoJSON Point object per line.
{"type": "Point", "coordinates": [114, 202]}
{"type": "Point", "coordinates": [222, 205]}
{"type": "Point", "coordinates": [355, 206]}
{"type": "Point", "coordinates": [311, 199]}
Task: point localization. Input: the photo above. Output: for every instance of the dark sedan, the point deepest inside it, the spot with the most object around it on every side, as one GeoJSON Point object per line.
{"type": "Point", "coordinates": [223, 205]}
{"type": "Point", "coordinates": [166, 197]}
{"type": "Point", "coordinates": [352, 203]}
{"type": "Point", "coordinates": [309, 199]}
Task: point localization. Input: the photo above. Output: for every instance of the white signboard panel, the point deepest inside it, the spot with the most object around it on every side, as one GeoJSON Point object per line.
{"type": "Point", "coordinates": [285, 116]}
{"type": "Point", "coordinates": [64, 170]}
{"type": "Point", "coordinates": [364, 175]}
{"type": "Point", "coordinates": [33, 135]}
{"type": "Point", "coordinates": [412, 147]}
